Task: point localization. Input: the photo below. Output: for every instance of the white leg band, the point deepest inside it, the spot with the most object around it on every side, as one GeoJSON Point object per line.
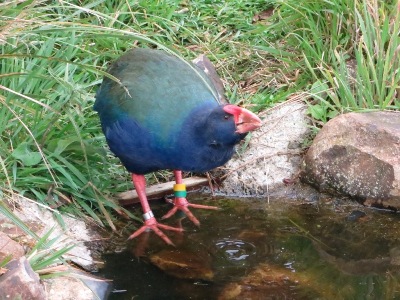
{"type": "Point", "coordinates": [148, 215]}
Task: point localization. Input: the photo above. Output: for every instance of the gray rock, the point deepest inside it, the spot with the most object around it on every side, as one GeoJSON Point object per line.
{"type": "Point", "coordinates": [183, 264]}
{"type": "Point", "coordinates": [41, 219]}
{"type": "Point", "coordinates": [358, 155]}
{"type": "Point", "coordinates": [20, 282]}
{"type": "Point", "coordinates": [78, 286]}
{"type": "Point", "coordinates": [272, 158]}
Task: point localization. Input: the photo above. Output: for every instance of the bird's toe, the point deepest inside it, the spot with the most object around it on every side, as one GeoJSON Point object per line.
{"type": "Point", "coordinates": [152, 224]}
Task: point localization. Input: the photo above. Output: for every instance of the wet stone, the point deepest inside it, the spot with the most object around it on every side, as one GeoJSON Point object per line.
{"type": "Point", "coordinates": [183, 264]}
{"type": "Point", "coordinates": [356, 215]}
{"type": "Point", "coordinates": [265, 282]}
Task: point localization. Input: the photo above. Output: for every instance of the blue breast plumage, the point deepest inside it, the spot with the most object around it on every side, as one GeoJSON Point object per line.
{"type": "Point", "coordinates": [164, 114]}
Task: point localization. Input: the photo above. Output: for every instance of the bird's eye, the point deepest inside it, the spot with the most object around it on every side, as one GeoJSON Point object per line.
{"type": "Point", "coordinates": [226, 117]}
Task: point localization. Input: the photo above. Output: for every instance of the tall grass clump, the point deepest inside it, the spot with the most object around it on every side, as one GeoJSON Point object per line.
{"type": "Point", "coordinates": [348, 52]}
{"type": "Point", "coordinates": [51, 147]}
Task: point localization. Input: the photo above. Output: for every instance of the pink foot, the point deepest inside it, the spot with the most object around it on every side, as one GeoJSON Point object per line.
{"type": "Point", "coordinates": [152, 224]}
{"type": "Point", "coordinates": [182, 204]}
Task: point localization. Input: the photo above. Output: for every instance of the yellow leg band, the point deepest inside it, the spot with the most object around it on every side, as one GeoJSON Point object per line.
{"type": "Point", "coordinates": [179, 187]}
{"type": "Point", "coordinates": [180, 190]}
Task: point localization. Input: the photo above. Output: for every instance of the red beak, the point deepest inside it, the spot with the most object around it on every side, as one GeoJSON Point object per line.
{"type": "Point", "coordinates": [245, 120]}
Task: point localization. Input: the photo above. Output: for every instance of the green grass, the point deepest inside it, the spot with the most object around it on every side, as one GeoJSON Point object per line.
{"type": "Point", "coordinates": [45, 254]}
{"type": "Point", "coordinates": [54, 54]}
{"type": "Point", "coordinates": [347, 52]}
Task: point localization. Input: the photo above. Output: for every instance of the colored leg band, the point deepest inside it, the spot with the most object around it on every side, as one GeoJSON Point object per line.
{"type": "Point", "coordinates": [148, 215]}
{"type": "Point", "coordinates": [180, 194]}
{"type": "Point", "coordinates": [180, 190]}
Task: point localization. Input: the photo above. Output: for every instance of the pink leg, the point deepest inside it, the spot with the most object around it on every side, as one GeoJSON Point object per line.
{"type": "Point", "coordinates": [182, 204]}
{"type": "Point", "coordinates": [149, 221]}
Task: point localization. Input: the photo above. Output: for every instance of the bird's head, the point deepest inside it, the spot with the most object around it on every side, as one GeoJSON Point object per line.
{"type": "Point", "coordinates": [226, 125]}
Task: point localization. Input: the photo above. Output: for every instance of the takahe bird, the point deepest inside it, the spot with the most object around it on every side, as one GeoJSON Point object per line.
{"type": "Point", "coordinates": [164, 113]}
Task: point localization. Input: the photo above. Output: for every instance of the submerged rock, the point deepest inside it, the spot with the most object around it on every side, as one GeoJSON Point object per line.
{"type": "Point", "coordinates": [266, 282]}
{"type": "Point", "coordinates": [183, 264]}
{"type": "Point", "coordinates": [358, 155]}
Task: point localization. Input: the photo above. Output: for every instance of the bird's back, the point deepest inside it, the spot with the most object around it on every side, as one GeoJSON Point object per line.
{"type": "Point", "coordinates": [156, 90]}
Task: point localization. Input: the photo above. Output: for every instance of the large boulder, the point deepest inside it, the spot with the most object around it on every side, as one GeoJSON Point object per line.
{"type": "Point", "coordinates": [358, 155]}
